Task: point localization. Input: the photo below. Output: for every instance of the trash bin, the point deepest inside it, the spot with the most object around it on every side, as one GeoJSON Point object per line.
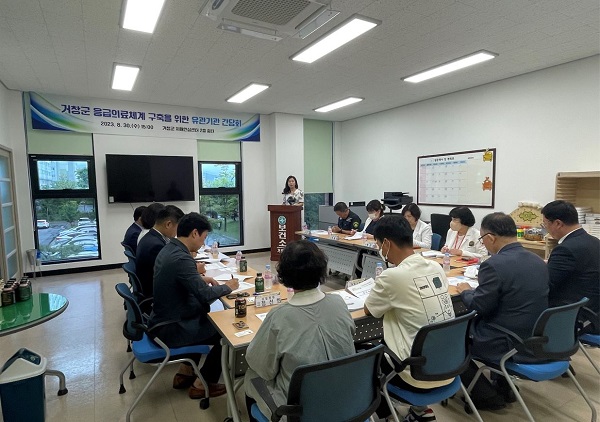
{"type": "Point", "coordinates": [22, 389]}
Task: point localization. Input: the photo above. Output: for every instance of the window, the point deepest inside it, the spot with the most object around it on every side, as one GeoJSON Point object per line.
{"type": "Point", "coordinates": [220, 200]}
{"type": "Point", "coordinates": [312, 201]}
{"type": "Point", "coordinates": [64, 203]}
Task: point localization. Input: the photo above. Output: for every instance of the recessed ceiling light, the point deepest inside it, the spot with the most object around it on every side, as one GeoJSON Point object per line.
{"type": "Point", "coordinates": [471, 59]}
{"type": "Point", "coordinates": [248, 92]}
{"type": "Point", "coordinates": [124, 77]}
{"type": "Point", "coordinates": [338, 104]}
{"type": "Point", "coordinates": [345, 32]}
{"type": "Point", "coordinates": [142, 15]}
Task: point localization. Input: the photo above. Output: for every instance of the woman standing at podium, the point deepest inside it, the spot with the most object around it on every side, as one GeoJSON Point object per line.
{"type": "Point", "coordinates": [291, 194]}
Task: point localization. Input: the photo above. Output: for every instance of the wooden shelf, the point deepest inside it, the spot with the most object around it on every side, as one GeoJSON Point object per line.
{"type": "Point", "coordinates": [581, 188]}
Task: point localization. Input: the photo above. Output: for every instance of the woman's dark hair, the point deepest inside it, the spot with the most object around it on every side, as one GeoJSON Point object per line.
{"type": "Point", "coordinates": [413, 209]}
{"type": "Point", "coordinates": [499, 224]}
{"type": "Point", "coordinates": [150, 213]}
{"type": "Point", "coordinates": [302, 265]}
{"type": "Point", "coordinates": [464, 214]}
{"type": "Point", "coordinates": [561, 210]}
{"type": "Point", "coordinates": [192, 221]}
{"type": "Point", "coordinates": [287, 189]}
{"type": "Point", "coordinates": [396, 229]}
{"type": "Point", "coordinates": [375, 205]}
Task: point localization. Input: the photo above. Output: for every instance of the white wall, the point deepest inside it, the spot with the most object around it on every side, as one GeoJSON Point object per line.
{"type": "Point", "coordinates": [289, 150]}
{"type": "Point", "coordinates": [541, 123]}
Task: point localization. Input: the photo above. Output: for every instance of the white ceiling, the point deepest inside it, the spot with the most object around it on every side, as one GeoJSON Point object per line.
{"type": "Point", "coordinates": [69, 47]}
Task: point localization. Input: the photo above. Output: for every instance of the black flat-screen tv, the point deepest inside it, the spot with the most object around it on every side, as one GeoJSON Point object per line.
{"type": "Point", "coordinates": [149, 178]}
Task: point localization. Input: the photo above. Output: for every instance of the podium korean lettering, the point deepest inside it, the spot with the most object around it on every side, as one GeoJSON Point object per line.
{"type": "Point", "coordinates": [281, 220]}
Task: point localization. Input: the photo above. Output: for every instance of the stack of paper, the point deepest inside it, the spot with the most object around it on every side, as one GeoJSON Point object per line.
{"type": "Point", "coordinates": [355, 236]}
{"type": "Point", "coordinates": [432, 254]}
{"type": "Point", "coordinates": [352, 302]}
{"type": "Point", "coordinates": [453, 281]}
{"type": "Point", "coordinates": [362, 289]}
{"type": "Point", "coordinates": [318, 232]}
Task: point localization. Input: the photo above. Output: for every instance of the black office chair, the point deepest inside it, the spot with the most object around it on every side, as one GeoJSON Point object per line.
{"type": "Point", "coordinates": [440, 224]}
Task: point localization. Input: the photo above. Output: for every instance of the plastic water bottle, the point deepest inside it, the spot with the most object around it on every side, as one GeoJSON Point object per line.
{"type": "Point", "coordinates": [364, 237]}
{"type": "Point", "coordinates": [329, 231]}
{"type": "Point", "coordinates": [238, 258]}
{"type": "Point", "coordinates": [378, 269]}
{"type": "Point", "coordinates": [268, 276]}
{"type": "Point", "coordinates": [446, 262]}
{"type": "Point", "coordinates": [305, 228]}
{"type": "Point", "coordinates": [290, 293]}
{"type": "Point", "coordinates": [215, 250]}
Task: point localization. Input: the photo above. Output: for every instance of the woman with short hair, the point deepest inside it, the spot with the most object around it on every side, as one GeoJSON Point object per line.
{"type": "Point", "coordinates": [462, 238]}
{"type": "Point", "coordinates": [310, 327]}
{"type": "Point", "coordinates": [421, 230]}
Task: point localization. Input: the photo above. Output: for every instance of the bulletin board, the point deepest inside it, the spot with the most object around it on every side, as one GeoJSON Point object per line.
{"type": "Point", "coordinates": [460, 178]}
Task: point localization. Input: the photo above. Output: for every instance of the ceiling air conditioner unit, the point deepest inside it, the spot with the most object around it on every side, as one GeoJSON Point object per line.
{"type": "Point", "coordinates": [270, 19]}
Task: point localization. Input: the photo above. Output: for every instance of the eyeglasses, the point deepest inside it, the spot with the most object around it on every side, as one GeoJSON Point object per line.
{"type": "Point", "coordinates": [480, 239]}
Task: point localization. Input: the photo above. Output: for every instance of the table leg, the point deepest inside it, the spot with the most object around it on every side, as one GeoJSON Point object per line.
{"type": "Point", "coordinates": [228, 367]}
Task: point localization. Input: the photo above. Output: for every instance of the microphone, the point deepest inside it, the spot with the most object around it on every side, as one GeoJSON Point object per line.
{"type": "Point", "coordinates": [291, 200]}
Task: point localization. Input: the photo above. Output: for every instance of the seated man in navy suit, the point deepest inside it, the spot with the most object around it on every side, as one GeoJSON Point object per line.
{"type": "Point", "coordinates": [574, 263]}
{"type": "Point", "coordinates": [131, 235]}
{"type": "Point", "coordinates": [512, 293]}
{"type": "Point", "coordinates": [150, 245]}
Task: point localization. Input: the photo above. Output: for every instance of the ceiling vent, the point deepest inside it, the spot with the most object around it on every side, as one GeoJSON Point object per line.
{"type": "Point", "coordinates": [270, 19]}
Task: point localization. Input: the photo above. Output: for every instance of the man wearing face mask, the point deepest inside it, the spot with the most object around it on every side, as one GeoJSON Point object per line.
{"type": "Point", "coordinates": [409, 296]}
{"type": "Point", "coordinates": [462, 238]}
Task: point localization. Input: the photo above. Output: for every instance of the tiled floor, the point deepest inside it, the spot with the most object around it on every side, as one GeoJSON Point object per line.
{"type": "Point", "coordinates": [86, 343]}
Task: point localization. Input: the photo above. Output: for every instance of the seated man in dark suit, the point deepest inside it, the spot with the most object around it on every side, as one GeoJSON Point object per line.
{"type": "Point", "coordinates": [181, 294]}
{"type": "Point", "coordinates": [165, 228]}
{"type": "Point", "coordinates": [132, 233]}
{"type": "Point", "coordinates": [512, 293]}
{"type": "Point", "coordinates": [348, 221]}
{"type": "Point", "coordinates": [574, 263]}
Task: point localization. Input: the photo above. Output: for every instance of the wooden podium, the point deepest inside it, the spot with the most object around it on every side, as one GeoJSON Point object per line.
{"type": "Point", "coordinates": [285, 222]}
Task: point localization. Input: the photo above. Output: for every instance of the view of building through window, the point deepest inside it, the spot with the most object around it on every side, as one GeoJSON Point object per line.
{"type": "Point", "coordinates": [65, 210]}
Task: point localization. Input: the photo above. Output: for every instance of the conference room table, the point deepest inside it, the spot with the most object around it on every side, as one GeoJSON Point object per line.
{"type": "Point", "coordinates": [235, 340]}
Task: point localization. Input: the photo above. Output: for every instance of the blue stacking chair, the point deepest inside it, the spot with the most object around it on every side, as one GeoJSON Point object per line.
{"type": "Point", "coordinates": [591, 322]}
{"type": "Point", "coordinates": [128, 248]}
{"type": "Point", "coordinates": [439, 352]}
{"type": "Point", "coordinates": [346, 389]}
{"type": "Point", "coordinates": [149, 349]}
{"type": "Point", "coordinates": [553, 341]}
{"type": "Point", "coordinates": [436, 241]}
{"type": "Point", "coordinates": [130, 255]}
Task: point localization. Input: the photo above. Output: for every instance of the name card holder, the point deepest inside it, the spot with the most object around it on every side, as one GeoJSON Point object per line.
{"type": "Point", "coordinates": [267, 299]}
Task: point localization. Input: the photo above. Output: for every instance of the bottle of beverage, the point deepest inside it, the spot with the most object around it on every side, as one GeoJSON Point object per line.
{"type": "Point", "coordinates": [215, 250]}
{"type": "Point", "coordinates": [259, 283]}
{"type": "Point", "coordinates": [329, 231]}
{"type": "Point", "coordinates": [238, 258]}
{"type": "Point", "coordinates": [446, 262]}
{"type": "Point", "coordinates": [243, 265]}
{"type": "Point", "coordinates": [268, 277]}
{"type": "Point", "coordinates": [290, 293]}
{"type": "Point", "coordinates": [378, 269]}
{"type": "Point", "coordinates": [240, 306]}
{"type": "Point", "coordinates": [364, 237]}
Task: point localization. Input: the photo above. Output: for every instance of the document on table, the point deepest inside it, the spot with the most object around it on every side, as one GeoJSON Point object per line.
{"type": "Point", "coordinates": [243, 286]}
{"type": "Point", "coordinates": [355, 236]}
{"type": "Point", "coordinates": [318, 232]}
{"type": "Point", "coordinates": [362, 289]}
{"type": "Point", "coordinates": [432, 254]}
{"type": "Point", "coordinates": [215, 266]}
{"type": "Point", "coordinates": [352, 302]}
{"type": "Point", "coordinates": [453, 281]}
{"type": "Point", "coordinates": [225, 277]}
{"type": "Point", "coordinates": [261, 316]}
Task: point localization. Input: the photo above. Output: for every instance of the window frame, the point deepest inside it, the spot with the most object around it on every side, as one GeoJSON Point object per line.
{"type": "Point", "coordinates": [39, 194]}
{"type": "Point", "coordinates": [237, 190]}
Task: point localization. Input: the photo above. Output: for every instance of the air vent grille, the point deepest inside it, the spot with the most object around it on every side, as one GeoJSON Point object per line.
{"type": "Point", "coordinates": [276, 12]}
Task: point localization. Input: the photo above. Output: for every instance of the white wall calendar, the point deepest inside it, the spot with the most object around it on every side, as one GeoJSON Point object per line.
{"type": "Point", "coordinates": [460, 178]}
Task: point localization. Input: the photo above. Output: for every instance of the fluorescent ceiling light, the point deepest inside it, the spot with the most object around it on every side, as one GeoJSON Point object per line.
{"type": "Point", "coordinates": [471, 59]}
{"type": "Point", "coordinates": [248, 92]}
{"type": "Point", "coordinates": [142, 15]}
{"type": "Point", "coordinates": [124, 77]}
{"type": "Point", "coordinates": [338, 104]}
{"type": "Point", "coordinates": [338, 36]}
